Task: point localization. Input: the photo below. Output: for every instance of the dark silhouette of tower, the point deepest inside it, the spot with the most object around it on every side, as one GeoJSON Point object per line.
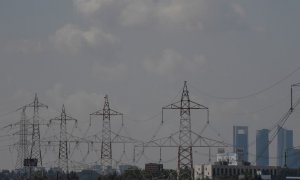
{"type": "Point", "coordinates": [63, 156]}
{"type": "Point", "coordinates": [23, 145]}
{"type": "Point", "coordinates": [185, 152]}
{"type": "Point", "coordinates": [106, 150]}
{"type": "Point", "coordinates": [35, 158]}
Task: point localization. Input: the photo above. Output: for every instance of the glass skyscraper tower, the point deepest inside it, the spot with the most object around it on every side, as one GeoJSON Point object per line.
{"type": "Point", "coordinates": [284, 143]}
{"type": "Point", "coordinates": [240, 141]}
{"type": "Point", "coordinates": [262, 147]}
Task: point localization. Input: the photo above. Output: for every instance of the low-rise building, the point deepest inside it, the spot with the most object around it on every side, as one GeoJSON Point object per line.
{"type": "Point", "coordinates": [216, 170]}
{"type": "Point", "coordinates": [154, 168]}
{"type": "Point", "coordinates": [125, 167]}
{"type": "Point", "coordinates": [228, 158]}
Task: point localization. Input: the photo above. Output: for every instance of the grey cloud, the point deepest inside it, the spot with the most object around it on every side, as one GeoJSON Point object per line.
{"type": "Point", "coordinates": [89, 7]}
{"type": "Point", "coordinates": [170, 63]}
{"type": "Point", "coordinates": [70, 38]}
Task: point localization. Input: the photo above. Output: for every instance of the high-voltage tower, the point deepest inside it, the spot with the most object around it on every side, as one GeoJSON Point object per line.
{"type": "Point", "coordinates": [63, 156]}
{"type": "Point", "coordinates": [184, 139]}
{"type": "Point", "coordinates": [185, 152]}
{"type": "Point", "coordinates": [106, 150]}
{"type": "Point", "coordinates": [35, 158]}
{"type": "Point", "coordinates": [23, 145]}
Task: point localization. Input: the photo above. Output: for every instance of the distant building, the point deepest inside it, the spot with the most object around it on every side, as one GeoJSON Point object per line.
{"type": "Point", "coordinates": [125, 167]}
{"type": "Point", "coordinates": [262, 147]}
{"type": "Point", "coordinates": [284, 143]}
{"type": "Point", "coordinates": [227, 158]}
{"type": "Point", "coordinates": [154, 168]}
{"type": "Point", "coordinates": [293, 158]}
{"type": "Point", "coordinates": [97, 168]}
{"type": "Point", "coordinates": [240, 141]}
{"type": "Point", "coordinates": [213, 171]}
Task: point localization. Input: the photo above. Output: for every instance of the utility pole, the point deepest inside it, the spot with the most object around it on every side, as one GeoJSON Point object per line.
{"type": "Point", "coordinates": [106, 149]}
{"type": "Point", "coordinates": [292, 86]}
{"type": "Point", "coordinates": [185, 152]}
{"type": "Point", "coordinates": [22, 148]}
{"type": "Point", "coordinates": [63, 156]}
{"type": "Point", "coordinates": [35, 158]}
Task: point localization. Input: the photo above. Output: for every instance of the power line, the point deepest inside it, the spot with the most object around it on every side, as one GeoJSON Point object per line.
{"type": "Point", "coordinates": [251, 94]}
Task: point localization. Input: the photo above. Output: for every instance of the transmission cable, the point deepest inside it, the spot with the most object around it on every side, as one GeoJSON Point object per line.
{"type": "Point", "coordinates": [251, 94]}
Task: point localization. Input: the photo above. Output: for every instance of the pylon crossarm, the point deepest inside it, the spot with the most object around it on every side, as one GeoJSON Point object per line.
{"type": "Point", "coordinates": [73, 138]}
{"type": "Point", "coordinates": [169, 141]}
{"type": "Point", "coordinates": [39, 105]}
{"type": "Point", "coordinates": [194, 105]}
{"type": "Point", "coordinates": [97, 113]}
{"type": "Point", "coordinates": [209, 142]}
{"type": "Point", "coordinates": [71, 118]}
{"type": "Point", "coordinates": [111, 113]}
{"type": "Point", "coordinates": [54, 119]}
{"type": "Point", "coordinates": [122, 139]}
{"type": "Point", "coordinates": [296, 84]}
{"type": "Point", "coordinates": [115, 113]}
{"type": "Point", "coordinates": [177, 105]}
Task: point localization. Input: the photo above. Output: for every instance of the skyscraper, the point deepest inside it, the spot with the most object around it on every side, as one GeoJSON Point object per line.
{"type": "Point", "coordinates": [284, 143]}
{"type": "Point", "coordinates": [293, 158]}
{"type": "Point", "coordinates": [240, 141]}
{"type": "Point", "coordinates": [262, 147]}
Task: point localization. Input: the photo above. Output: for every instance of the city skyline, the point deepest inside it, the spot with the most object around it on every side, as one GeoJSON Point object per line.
{"type": "Point", "coordinates": [238, 57]}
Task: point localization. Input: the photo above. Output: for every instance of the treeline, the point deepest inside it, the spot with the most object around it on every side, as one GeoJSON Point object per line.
{"type": "Point", "coordinates": [137, 174]}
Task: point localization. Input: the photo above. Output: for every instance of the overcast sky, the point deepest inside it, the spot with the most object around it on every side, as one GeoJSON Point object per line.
{"type": "Point", "coordinates": [139, 52]}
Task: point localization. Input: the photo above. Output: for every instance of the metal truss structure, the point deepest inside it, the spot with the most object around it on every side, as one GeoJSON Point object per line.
{"type": "Point", "coordinates": [184, 139]}
{"type": "Point", "coordinates": [106, 149]}
{"type": "Point", "coordinates": [63, 157]}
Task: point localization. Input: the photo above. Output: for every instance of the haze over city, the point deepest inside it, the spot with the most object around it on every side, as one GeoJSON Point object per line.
{"type": "Point", "coordinates": [239, 59]}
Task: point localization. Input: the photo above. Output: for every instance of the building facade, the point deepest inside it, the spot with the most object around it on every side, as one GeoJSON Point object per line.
{"type": "Point", "coordinates": [262, 147]}
{"type": "Point", "coordinates": [240, 141]}
{"type": "Point", "coordinates": [213, 171]}
{"type": "Point", "coordinates": [228, 158]}
{"type": "Point", "coordinates": [154, 168]}
{"type": "Point", "coordinates": [125, 167]}
{"type": "Point", "coordinates": [293, 158]}
{"type": "Point", "coordinates": [284, 143]}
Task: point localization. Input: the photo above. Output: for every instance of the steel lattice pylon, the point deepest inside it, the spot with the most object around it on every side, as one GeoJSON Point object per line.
{"type": "Point", "coordinates": [23, 145]}
{"type": "Point", "coordinates": [106, 150]}
{"type": "Point", "coordinates": [185, 155]}
{"type": "Point", "coordinates": [63, 156]}
{"type": "Point", "coordinates": [35, 151]}
{"type": "Point", "coordinates": [185, 152]}
{"type": "Point", "coordinates": [184, 139]}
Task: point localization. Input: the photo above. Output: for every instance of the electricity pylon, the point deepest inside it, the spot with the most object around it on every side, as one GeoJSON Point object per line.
{"type": "Point", "coordinates": [23, 145]}
{"type": "Point", "coordinates": [184, 139]}
{"type": "Point", "coordinates": [185, 152]}
{"type": "Point", "coordinates": [35, 158]}
{"type": "Point", "coordinates": [106, 150]}
{"type": "Point", "coordinates": [63, 156]}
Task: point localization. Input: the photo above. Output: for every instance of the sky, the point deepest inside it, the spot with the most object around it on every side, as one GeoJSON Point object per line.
{"type": "Point", "coordinates": [238, 57]}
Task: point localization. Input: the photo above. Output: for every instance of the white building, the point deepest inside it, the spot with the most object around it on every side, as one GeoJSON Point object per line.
{"type": "Point", "coordinates": [213, 171]}
{"type": "Point", "coordinates": [228, 158]}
